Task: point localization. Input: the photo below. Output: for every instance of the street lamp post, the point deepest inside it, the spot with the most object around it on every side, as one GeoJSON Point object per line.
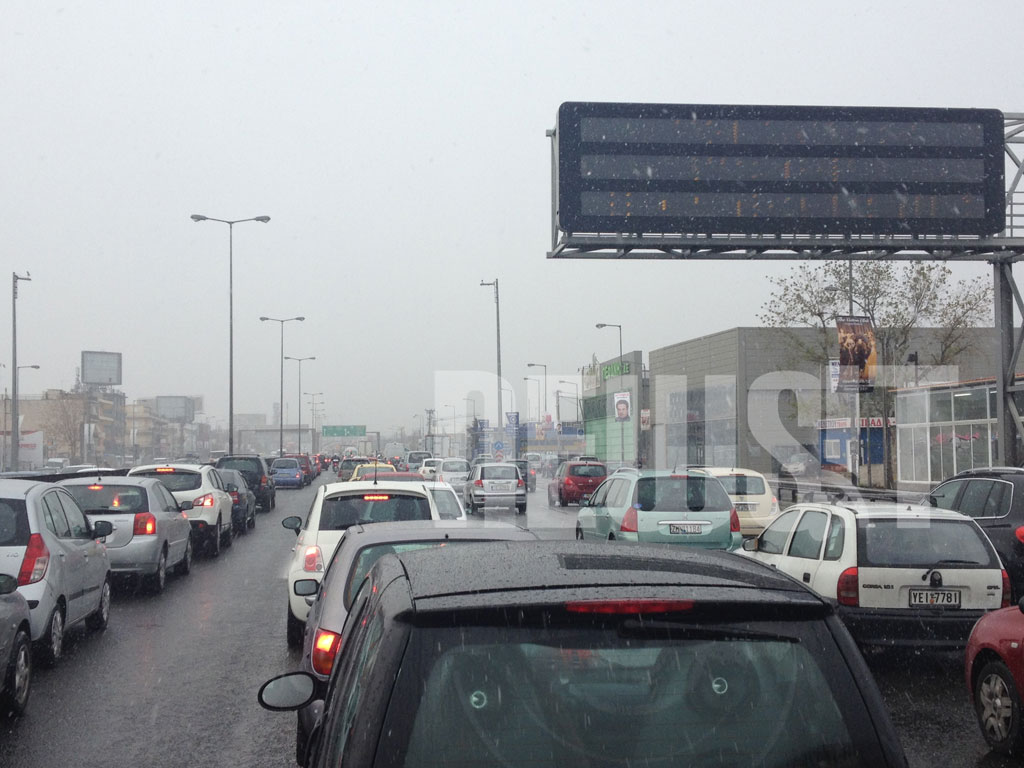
{"type": "Point", "coordinates": [300, 361]}
{"type": "Point", "coordinates": [312, 417]}
{"type": "Point", "coordinates": [534, 381]}
{"type": "Point", "coordinates": [545, 367]}
{"type": "Point", "coordinates": [497, 326]}
{"type": "Point", "coordinates": [231, 316]}
{"type": "Point", "coordinates": [280, 406]}
{"type": "Point", "coordinates": [622, 429]}
{"type": "Point", "coordinates": [15, 425]}
{"type": "Point", "coordinates": [575, 386]}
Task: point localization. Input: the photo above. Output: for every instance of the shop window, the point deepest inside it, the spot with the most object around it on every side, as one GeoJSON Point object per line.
{"type": "Point", "coordinates": [969, 405]}
{"type": "Point", "coordinates": [940, 408]}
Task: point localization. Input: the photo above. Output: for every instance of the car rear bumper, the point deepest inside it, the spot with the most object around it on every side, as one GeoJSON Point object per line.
{"type": "Point", "coordinates": [499, 499]}
{"type": "Point", "coordinates": [916, 628]}
{"type": "Point", "coordinates": [138, 556]}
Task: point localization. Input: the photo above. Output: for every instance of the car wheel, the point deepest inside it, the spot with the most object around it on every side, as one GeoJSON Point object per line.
{"type": "Point", "coordinates": [155, 582]}
{"type": "Point", "coordinates": [997, 704]}
{"type": "Point", "coordinates": [251, 522]}
{"type": "Point", "coordinates": [520, 509]}
{"type": "Point", "coordinates": [18, 681]}
{"type": "Point", "coordinates": [184, 566]}
{"type": "Point", "coordinates": [562, 502]}
{"type": "Point", "coordinates": [97, 620]}
{"type": "Point", "coordinates": [52, 642]}
{"type": "Point", "coordinates": [296, 629]}
{"type": "Point", "coordinates": [228, 535]}
{"type": "Point", "coordinates": [579, 533]}
{"type": "Point", "coordinates": [213, 543]}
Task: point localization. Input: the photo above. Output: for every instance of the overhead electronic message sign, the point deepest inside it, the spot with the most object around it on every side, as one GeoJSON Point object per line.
{"type": "Point", "coordinates": [682, 168]}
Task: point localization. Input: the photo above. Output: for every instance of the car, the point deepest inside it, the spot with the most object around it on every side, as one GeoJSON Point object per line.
{"type": "Point", "coordinates": [49, 545]}
{"type": "Point", "coordinates": [494, 485]}
{"type": "Point", "coordinates": [555, 653]}
{"type": "Point", "coordinates": [371, 469]}
{"type": "Point", "coordinates": [15, 648]}
{"type": "Point", "coordinates": [287, 473]}
{"type": "Point", "coordinates": [359, 549]}
{"type": "Point", "coordinates": [347, 464]}
{"type": "Point", "coordinates": [536, 460]}
{"type": "Point", "coordinates": [575, 481]}
{"type": "Point", "coordinates": [751, 496]}
{"type": "Point", "coordinates": [800, 465]}
{"type": "Point", "coordinates": [430, 467]}
{"type": "Point", "coordinates": [994, 673]}
{"type": "Point", "coordinates": [413, 459]}
{"type": "Point", "coordinates": [527, 472]}
{"type": "Point", "coordinates": [201, 486]}
{"type": "Point", "coordinates": [306, 464]}
{"type": "Point", "coordinates": [151, 534]}
{"type": "Point", "coordinates": [902, 574]}
{"type": "Point", "coordinates": [454, 472]}
{"type": "Point", "coordinates": [482, 458]}
{"type": "Point", "coordinates": [994, 498]}
{"type": "Point", "coordinates": [411, 477]}
{"type": "Point", "coordinates": [243, 500]}
{"type": "Point", "coordinates": [690, 508]}
{"type": "Point", "coordinates": [257, 476]}
{"type": "Point", "coordinates": [336, 507]}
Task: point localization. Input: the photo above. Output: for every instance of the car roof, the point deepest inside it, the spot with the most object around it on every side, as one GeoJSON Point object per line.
{"type": "Point", "coordinates": [189, 467]}
{"type": "Point", "coordinates": [545, 565]}
{"type": "Point", "coordinates": [419, 530]}
{"type": "Point", "coordinates": [381, 484]}
{"type": "Point", "coordinates": [717, 471]}
{"type": "Point", "coordinates": [876, 509]}
{"type": "Point", "coordinates": [145, 482]}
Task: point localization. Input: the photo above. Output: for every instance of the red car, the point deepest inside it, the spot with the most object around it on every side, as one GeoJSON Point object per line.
{"type": "Point", "coordinates": [994, 667]}
{"type": "Point", "coordinates": [575, 481]}
{"type": "Point", "coordinates": [305, 463]}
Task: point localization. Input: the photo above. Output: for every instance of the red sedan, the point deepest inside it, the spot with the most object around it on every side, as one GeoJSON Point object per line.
{"type": "Point", "coordinates": [994, 667]}
{"type": "Point", "coordinates": [575, 481]}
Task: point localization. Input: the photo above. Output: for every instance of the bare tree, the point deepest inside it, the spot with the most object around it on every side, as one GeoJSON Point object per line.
{"type": "Point", "coordinates": [63, 420]}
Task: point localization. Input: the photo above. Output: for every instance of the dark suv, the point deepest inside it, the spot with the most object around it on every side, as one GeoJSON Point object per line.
{"type": "Point", "coordinates": [571, 654]}
{"type": "Point", "coordinates": [257, 476]}
{"type": "Point", "coordinates": [994, 497]}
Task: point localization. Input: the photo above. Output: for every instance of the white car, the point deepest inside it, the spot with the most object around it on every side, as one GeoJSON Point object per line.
{"type": "Point", "coordinates": [200, 485]}
{"type": "Point", "coordinates": [430, 468]}
{"type": "Point", "coordinates": [455, 472]}
{"type": "Point", "coordinates": [751, 495]}
{"type": "Point", "coordinates": [899, 574]}
{"type": "Point", "coordinates": [49, 545]}
{"type": "Point", "coordinates": [336, 507]}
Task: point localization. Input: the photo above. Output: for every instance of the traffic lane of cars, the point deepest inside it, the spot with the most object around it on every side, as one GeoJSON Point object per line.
{"type": "Point", "coordinates": [184, 664]}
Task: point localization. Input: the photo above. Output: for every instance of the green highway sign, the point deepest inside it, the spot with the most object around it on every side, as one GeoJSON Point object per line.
{"type": "Point", "coordinates": [344, 430]}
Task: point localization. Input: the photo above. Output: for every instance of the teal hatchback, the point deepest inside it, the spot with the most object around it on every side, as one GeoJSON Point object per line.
{"type": "Point", "coordinates": [662, 507]}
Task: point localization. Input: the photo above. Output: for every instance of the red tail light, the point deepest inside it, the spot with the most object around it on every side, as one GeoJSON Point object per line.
{"type": "Point", "coordinates": [520, 482]}
{"type": "Point", "coordinates": [478, 483]}
{"type": "Point", "coordinates": [848, 588]}
{"type": "Point", "coordinates": [145, 524]}
{"type": "Point", "coordinates": [570, 481]}
{"type": "Point", "coordinates": [298, 475]}
{"type": "Point", "coordinates": [234, 497]}
{"type": "Point", "coordinates": [263, 481]}
{"type": "Point", "coordinates": [313, 562]}
{"type": "Point", "coordinates": [1019, 533]}
{"type": "Point", "coordinates": [1006, 590]}
{"type": "Point", "coordinates": [325, 649]}
{"type": "Point", "coordinates": [204, 501]}
{"type": "Point", "coordinates": [629, 607]}
{"type": "Point", "coordinates": [734, 521]}
{"type": "Point", "coordinates": [37, 558]}
{"type": "Point", "coordinates": [629, 521]}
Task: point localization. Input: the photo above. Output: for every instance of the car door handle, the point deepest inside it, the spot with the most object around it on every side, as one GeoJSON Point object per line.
{"type": "Point", "coordinates": [60, 555]}
{"type": "Point", "coordinates": [807, 578]}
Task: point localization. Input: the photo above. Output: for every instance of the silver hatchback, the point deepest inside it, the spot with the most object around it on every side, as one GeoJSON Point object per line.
{"type": "Point", "coordinates": [495, 485]}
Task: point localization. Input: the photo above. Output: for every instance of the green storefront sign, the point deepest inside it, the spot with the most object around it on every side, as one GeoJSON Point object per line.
{"type": "Point", "coordinates": [615, 369]}
{"type": "Point", "coordinates": [344, 430]}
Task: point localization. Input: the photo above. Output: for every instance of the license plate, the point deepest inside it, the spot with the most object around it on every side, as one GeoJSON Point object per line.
{"type": "Point", "coordinates": [501, 487]}
{"type": "Point", "coordinates": [690, 528]}
{"type": "Point", "coordinates": [946, 598]}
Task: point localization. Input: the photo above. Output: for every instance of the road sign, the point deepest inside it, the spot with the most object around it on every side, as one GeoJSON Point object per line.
{"type": "Point", "coordinates": [498, 445]}
{"type": "Point", "coordinates": [483, 423]}
{"type": "Point", "coordinates": [499, 456]}
{"type": "Point", "coordinates": [672, 168]}
{"type": "Point", "coordinates": [513, 418]}
{"type": "Point", "coordinates": [344, 430]}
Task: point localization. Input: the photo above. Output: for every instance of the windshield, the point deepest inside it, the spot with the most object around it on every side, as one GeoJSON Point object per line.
{"type": "Point", "coordinates": [588, 470]}
{"type": "Point", "coordinates": [112, 498]}
{"type": "Point", "coordinates": [742, 485]}
{"type": "Point", "coordinates": [677, 494]}
{"type": "Point", "coordinates": [923, 544]}
{"type": "Point", "coordinates": [285, 464]}
{"type": "Point", "coordinates": [340, 512]}
{"type": "Point", "coordinates": [175, 480]}
{"type": "Point", "coordinates": [499, 473]}
{"type": "Point", "coordinates": [455, 466]}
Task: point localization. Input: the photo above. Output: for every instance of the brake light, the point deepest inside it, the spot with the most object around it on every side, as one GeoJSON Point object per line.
{"type": "Point", "coordinates": [95, 487]}
{"type": "Point", "coordinates": [478, 483]}
{"type": "Point", "coordinates": [629, 607]}
{"type": "Point", "coordinates": [376, 497]}
{"type": "Point", "coordinates": [313, 562]}
{"type": "Point", "coordinates": [734, 521]}
{"type": "Point", "coordinates": [165, 469]}
{"type": "Point", "coordinates": [145, 524]}
{"type": "Point", "coordinates": [1019, 533]}
{"type": "Point", "coordinates": [263, 481]}
{"type": "Point", "coordinates": [325, 649]}
{"type": "Point", "coordinates": [298, 475]}
{"type": "Point", "coordinates": [204, 501]}
{"type": "Point", "coordinates": [848, 588]}
{"type": "Point", "coordinates": [569, 481]}
{"type": "Point", "coordinates": [775, 506]}
{"type": "Point", "coordinates": [33, 565]}
{"type": "Point", "coordinates": [520, 482]}
{"type": "Point", "coordinates": [234, 497]}
{"type": "Point", "coordinates": [629, 521]}
{"type": "Point", "coordinates": [1006, 590]}
{"type": "Point", "coordinates": [440, 478]}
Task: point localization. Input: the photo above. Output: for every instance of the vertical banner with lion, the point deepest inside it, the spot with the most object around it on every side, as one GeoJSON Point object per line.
{"type": "Point", "coordinates": [858, 354]}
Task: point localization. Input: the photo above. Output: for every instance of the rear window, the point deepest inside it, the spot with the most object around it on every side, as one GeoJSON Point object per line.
{"type": "Point", "coordinates": [14, 530]}
{"type": "Point", "coordinates": [240, 464]}
{"type": "Point", "coordinates": [742, 485]}
{"type": "Point", "coordinates": [352, 463]}
{"type": "Point", "coordinates": [588, 470]}
{"type": "Point", "coordinates": [898, 543]}
{"type": "Point", "coordinates": [625, 694]}
{"type": "Point", "coordinates": [370, 555]}
{"type": "Point", "coordinates": [370, 469]}
{"type": "Point", "coordinates": [285, 464]}
{"type": "Point", "coordinates": [679, 494]}
{"type": "Point", "coordinates": [418, 456]}
{"type": "Point", "coordinates": [455, 466]}
{"type": "Point", "coordinates": [99, 498]}
{"type": "Point", "coordinates": [499, 473]}
{"type": "Point", "coordinates": [175, 479]}
{"type": "Point", "coordinates": [447, 505]}
{"type": "Point", "coordinates": [340, 512]}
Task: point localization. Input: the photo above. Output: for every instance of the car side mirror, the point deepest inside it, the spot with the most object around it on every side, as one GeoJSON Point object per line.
{"type": "Point", "coordinates": [185, 506]}
{"type": "Point", "coordinates": [7, 584]}
{"type": "Point", "coordinates": [288, 692]}
{"type": "Point", "coordinates": [293, 523]}
{"type": "Point", "coordinates": [102, 528]}
{"type": "Point", "coordinates": [750, 545]}
{"type": "Point", "coordinates": [306, 587]}
{"type": "Point", "coordinates": [1020, 604]}
{"type": "Point", "coordinates": [231, 487]}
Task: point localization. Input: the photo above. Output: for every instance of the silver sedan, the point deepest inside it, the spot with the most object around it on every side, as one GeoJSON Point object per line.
{"type": "Point", "coordinates": [495, 485]}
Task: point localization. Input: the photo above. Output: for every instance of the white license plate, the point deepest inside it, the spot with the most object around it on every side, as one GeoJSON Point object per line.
{"type": "Point", "coordinates": [501, 487]}
{"type": "Point", "coordinates": [943, 598]}
{"type": "Point", "coordinates": [690, 528]}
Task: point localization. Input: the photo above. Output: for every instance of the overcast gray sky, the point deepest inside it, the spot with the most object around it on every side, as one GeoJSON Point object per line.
{"type": "Point", "coordinates": [399, 149]}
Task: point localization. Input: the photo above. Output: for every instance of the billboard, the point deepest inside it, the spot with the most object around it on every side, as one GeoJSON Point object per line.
{"type": "Point", "coordinates": [701, 168]}
{"type": "Point", "coordinates": [176, 408]}
{"type": "Point", "coordinates": [858, 354]}
{"type": "Point", "coordinates": [102, 369]}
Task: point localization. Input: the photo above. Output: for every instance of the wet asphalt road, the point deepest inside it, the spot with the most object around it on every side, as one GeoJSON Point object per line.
{"type": "Point", "coordinates": [172, 682]}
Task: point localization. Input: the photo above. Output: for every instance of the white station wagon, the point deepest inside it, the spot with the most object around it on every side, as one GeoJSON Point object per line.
{"type": "Point", "coordinates": [900, 574]}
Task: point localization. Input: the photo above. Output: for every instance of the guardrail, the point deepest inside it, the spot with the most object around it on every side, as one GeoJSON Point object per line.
{"type": "Point", "coordinates": [793, 490]}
